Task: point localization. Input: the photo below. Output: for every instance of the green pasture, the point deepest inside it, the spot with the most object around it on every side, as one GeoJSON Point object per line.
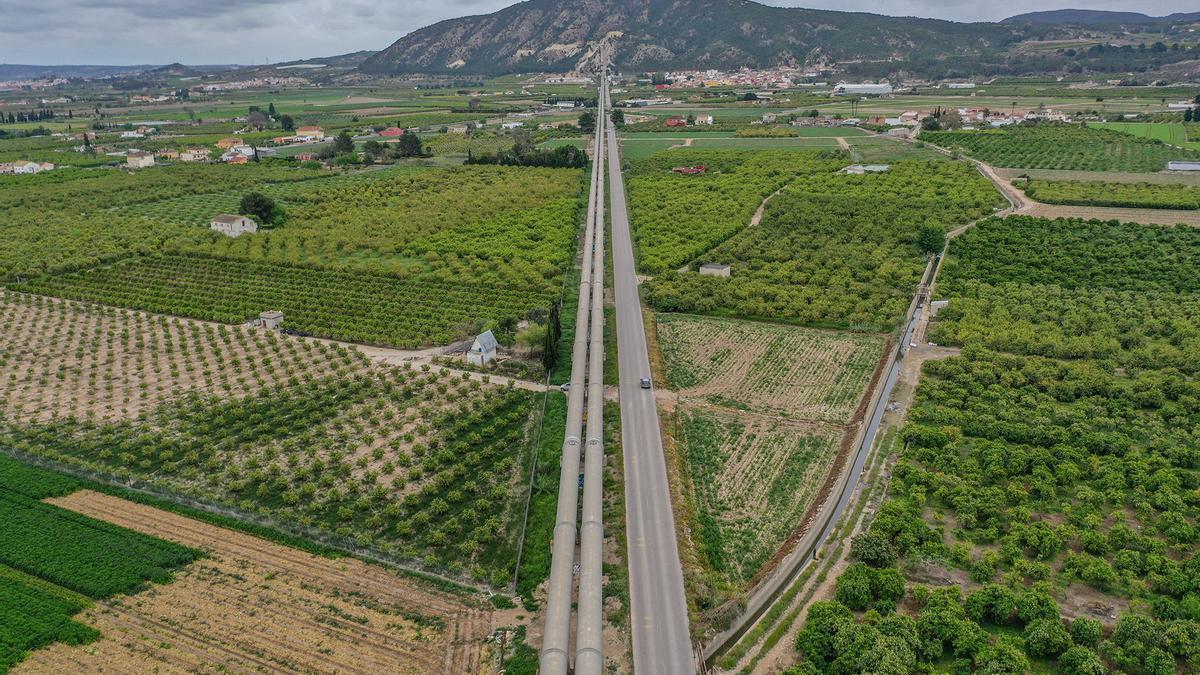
{"type": "Point", "coordinates": [1167, 132]}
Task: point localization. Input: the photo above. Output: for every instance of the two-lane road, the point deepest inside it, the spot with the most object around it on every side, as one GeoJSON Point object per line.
{"type": "Point", "coordinates": [658, 610]}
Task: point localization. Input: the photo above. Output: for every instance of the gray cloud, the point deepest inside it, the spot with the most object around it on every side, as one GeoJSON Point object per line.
{"type": "Point", "coordinates": [232, 31]}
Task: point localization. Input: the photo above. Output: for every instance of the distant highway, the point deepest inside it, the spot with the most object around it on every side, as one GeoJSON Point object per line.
{"type": "Point", "coordinates": [658, 609]}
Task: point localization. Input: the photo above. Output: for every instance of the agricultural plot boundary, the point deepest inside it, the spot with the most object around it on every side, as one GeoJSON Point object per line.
{"type": "Point", "coordinates": [791, 564]}
{"type": "Point", "coordinates": [290, 534]}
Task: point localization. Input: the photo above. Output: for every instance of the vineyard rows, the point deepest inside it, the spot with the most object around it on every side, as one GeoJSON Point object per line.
{"type": "Point", "coordinates": [67, 359]}
{"type": "Point", "coordinates": [1061, 146]}
{"type": "Point", "coordinates": [421, 465]}
{"type": "Point", "coordinates": [353, 307]}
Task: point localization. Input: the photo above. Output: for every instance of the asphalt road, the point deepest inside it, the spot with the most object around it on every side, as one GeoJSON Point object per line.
{"type": "Point", "coordinates": [658, 610]}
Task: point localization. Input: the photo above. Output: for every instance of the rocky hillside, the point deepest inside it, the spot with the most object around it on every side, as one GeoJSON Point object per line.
{"type": "Point", "coordinates": [559, 35]}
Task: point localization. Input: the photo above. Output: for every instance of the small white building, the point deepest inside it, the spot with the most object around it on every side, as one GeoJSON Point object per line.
{"type": "Point", "coordinates": [232, 226]}
{"type": "Point", "coordinates": [310, 134]}
{"type": "Point", "coordinates": [706, 120]}
{"type": "Point", "coordinates": [714, 270]}
{"type": "Point", "coordinates": [1183, 166]}
{"type": "Point", "coordinates": [194, 155]}
{"type": "Point", "coordinates": [25, 166]}
{"type": "Point", "coordinates": [899, 132]}
{"type": "Point", "coordinates": [860, 169]}
{"type": "Point", "coordinates": [136, 159]}
{"type": "Point", "coordinates": [769, 118]}
{"type": "Point", "coordinates": [870, 89]}
{"type": "Point", "coordinates": [483, 350]}
{"type": "Point", "coordinates": [271, 320]}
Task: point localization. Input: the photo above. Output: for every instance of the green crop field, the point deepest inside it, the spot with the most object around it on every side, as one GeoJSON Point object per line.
{"type": "Point", "coordinates": [1127, 195]}
{"type": "Point", "coordinates": [1061, 146]}
{"type": "Point", "coordinates": [52, 561]}
{"type": "Point", "coordinates": [1172, 134]}
{"type": "Point", "coordinates": [424, 465]}
{"type": "Point", "coordinates": [763, 412]}
{"type": "Point", "coordinates": [454, 229]}
{"type": "Point", "coordinates": [834, 249]}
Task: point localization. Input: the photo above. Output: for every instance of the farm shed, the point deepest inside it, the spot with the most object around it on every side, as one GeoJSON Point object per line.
{"type": "Point", "coordinates": [714, 270]}
{"type": "Point", "coordinates": [483, 350]}
{"type": "Point", "coordinates": [271, 319]}
{"type": "Point", "coordinates": [1183, 166]}
{"type": "Point", "coordinates": [136, 159]}
{"type": "Point", "coordinates": [232, 226]}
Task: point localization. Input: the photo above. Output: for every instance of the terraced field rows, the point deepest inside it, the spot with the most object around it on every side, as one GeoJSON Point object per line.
{"type": "Point", "coordinates": [753, 478]}
{"type": "Point", "coordinates": [63, 358]}
{"type": "Point", "coordinates": [782, 370]}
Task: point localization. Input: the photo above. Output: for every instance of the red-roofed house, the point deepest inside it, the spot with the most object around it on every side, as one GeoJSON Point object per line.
{"type": "Point", "coordinates": [394, 132]}
{"type": "Point", "coordinates": [311, 133]}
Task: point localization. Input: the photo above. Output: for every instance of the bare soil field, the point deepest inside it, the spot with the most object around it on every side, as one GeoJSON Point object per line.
{"type": "Point", "coordinates": [797, 373]}
{"type": "Point", "coordinates": [1026, 206]}
{"type": "Point", "coordinates": [253, 606]}
{"type": "Point", "coordinates": [1144, 216]}
{"type": "Point", "coordinates": [69, 359]}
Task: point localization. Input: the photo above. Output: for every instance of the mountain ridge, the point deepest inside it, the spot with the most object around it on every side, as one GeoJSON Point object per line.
{"type": "Point", "coordinates": [1097, 17]}
{"type": "Point", "coordinates": [653, 34]}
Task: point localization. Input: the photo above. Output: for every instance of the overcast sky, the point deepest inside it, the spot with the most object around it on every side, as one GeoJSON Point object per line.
{"type": "Point", "coordinates": [117, 32]}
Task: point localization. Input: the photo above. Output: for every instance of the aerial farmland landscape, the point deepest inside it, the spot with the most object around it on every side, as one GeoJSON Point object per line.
{"type": "Point", "coordinates": [654, 336]}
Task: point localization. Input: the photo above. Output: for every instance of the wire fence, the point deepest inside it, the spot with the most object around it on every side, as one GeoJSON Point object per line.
{"type": "Point", "coordinates": [323, 538]}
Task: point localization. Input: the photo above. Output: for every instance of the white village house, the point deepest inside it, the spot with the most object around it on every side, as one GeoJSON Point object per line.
{"type": "Point", "coordinates": [232, 226]}
{"type": "Point", "coordinates": [136, 159]}
{"type": "Point", "coordinates": [483, 350]}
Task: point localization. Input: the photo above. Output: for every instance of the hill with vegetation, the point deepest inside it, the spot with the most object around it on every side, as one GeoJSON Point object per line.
{"type": "Point", "coordinates": [652, 34]}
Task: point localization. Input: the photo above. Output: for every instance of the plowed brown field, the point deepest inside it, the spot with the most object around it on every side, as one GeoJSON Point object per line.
{"type": "Point", "coordinates": [255, 606]}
